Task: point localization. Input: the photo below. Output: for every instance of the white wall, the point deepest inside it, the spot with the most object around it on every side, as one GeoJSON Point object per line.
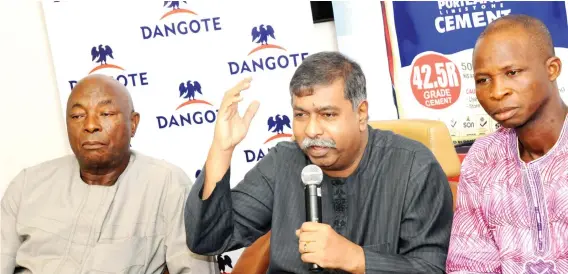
{"type": "Point", "coordinates": [325, 36]}
{"type": "Point", "coordinates": [30, 114]}
{"type": "Point", "coordinates": [33, 129]}
{"type": "Point", "coordinates": [360, 35]}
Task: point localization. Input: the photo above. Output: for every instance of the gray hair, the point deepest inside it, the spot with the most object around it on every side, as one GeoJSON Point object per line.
{"type": "Point", "coordinates": [319, 142]}
{"type": "Point", "coordinates": [324, 68]}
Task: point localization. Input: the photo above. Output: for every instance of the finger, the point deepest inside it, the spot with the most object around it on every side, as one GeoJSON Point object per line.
{"type": "Point", "coordinates": [230, 108]}
{"type": "Point", "coordinates": [235, 100]}
{"type": "Point", "coordinates": [240, 86]}
{"type": "Point", "coordinates": [229, 113]}
{"type": "Point", "coordinates": [251, 111]}
{"type": "Point", "coordinates": [309, 258]}
{"type": "Point", "coordinates": [308, 236]}
{"type": "Point", "coordinates": [229, 103]}
{"type": "Point", "coordinates": [234, 92]}
{"type": "Point", "coordinates": [304, 247]}
{"type": "Point", "coordinates": [311, 227]}
{"type": "Point", "coordinates": [298, 233]}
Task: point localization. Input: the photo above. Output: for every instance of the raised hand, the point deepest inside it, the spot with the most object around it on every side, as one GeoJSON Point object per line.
{"type": "Point", "coordinates": [231, 128]}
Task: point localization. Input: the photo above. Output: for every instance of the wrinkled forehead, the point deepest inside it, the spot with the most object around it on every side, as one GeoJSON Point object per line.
{"type": "Point", "coordinates": [329, 93]}
{"type": "Point", "coordinates": [93, 95]}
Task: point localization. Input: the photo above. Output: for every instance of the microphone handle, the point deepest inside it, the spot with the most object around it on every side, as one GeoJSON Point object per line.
{"type": "Point", "coordinates": [313, 212]}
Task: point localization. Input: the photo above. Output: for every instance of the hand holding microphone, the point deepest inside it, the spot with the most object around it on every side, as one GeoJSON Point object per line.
{"type": "Point", "coordinates": [312, 177]}
{"type": "Point", "coordinates": [319, 245]}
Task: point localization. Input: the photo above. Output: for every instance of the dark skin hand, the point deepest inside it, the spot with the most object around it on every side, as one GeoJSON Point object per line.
{"type": "Point", "coordinates": [100, 123]}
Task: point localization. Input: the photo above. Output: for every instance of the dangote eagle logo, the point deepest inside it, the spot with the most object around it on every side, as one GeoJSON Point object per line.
{"type": "Point", "coordinates": [174, 5]}
{"type": "Point", "coordinates": [101, 53]}
{"type": "Point", "coordinates": [262, 34]}
{"type": "Point", "coordinates": [278, 123]}
{"type": "Point", "coordinates": [188, 89]}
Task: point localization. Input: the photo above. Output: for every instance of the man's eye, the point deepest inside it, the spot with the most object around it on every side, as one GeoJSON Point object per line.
{"type": "Point", "coordinates": [513, 72]}
{"type": "Point", "coordinates": [481, 81]}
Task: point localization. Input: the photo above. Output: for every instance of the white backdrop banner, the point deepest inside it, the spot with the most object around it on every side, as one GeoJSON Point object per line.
{"type": "Point", "coordinates": [177, 58]}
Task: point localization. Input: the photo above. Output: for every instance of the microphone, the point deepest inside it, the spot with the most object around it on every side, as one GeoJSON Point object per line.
{"type": "Point", "coordinates": [312, 177]}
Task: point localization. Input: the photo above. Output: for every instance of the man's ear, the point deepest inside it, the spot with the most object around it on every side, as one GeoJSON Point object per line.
{"type": "Point", "coordinates": [554, 67]}
{"type": "Point", "coordinates": [363, 114]}
{"type": "Point", "coordinates": [134, 120]}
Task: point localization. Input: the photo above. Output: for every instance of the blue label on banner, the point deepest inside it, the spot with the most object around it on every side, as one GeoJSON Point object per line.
{"type": "Point", "coordinates": [448, 27]}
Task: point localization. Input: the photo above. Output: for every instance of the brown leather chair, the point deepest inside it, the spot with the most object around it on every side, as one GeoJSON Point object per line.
{"type": "Point", "coordinates": [433, 134]}
{"type": "Point", "coordinates": [255, 258]}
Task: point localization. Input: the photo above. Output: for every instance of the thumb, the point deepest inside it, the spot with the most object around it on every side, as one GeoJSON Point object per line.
{"type": "Point", "coordinates": [251, 111]}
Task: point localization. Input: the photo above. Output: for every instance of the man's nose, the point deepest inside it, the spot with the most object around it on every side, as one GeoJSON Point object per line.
{"type": "Point", "coordinates": [92, 124]}
{"type": "Point", "coordinates": [313, 129]}
{"type": "Point", "coordinates": [499, 90]}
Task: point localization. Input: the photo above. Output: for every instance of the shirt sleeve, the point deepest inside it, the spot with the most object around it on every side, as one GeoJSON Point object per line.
{"type": "Point", "coordinates": [231, 219]}
{"type": "Point", "coordinates": [425, 225]}
{"type": "Point", "coordinates": [179, 258]}
{"type": "Point", "coordinates": [472, 247]}
{"type": "Point", "coordinates": [10, 240]}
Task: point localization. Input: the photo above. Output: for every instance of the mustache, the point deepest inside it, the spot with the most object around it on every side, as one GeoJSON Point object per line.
{"type": "Point", "coordinates": [309, 142]}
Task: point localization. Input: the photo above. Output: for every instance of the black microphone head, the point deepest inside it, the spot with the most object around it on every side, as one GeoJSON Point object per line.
{"type": "Point", "coordinates": [312, 175]}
